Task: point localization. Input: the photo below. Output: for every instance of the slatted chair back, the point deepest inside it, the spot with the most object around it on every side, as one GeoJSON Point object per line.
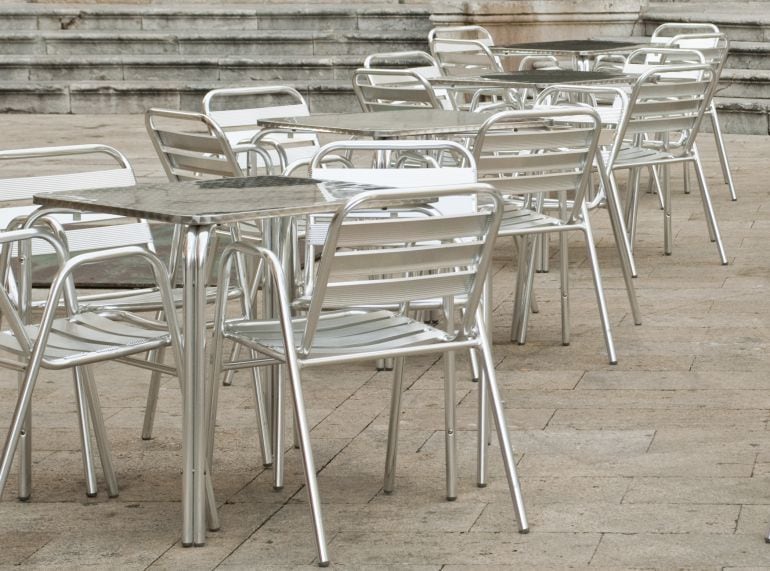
{"type": "Point", "coordinates": [664, 32]}
{"type": "Point", "coordinates": [668, 100]}
{"type": "Point", "coordinates": [538, 151]}
{"type": "Point", "coordinates": [413, 60]}
{"type": "Point", "coordinates": [395, 261]}
{"type": "Point", "coordinates": [461, 58]}
{"type": "Point", "coordinates": [713, 45]}
{"type": "Point", "coordinates": [238, 109]}
{"type": "Point", "coordinates": [470, 32]}
{"type": "Point", "coordinates": [190, 146]}
{"type": "Point", "coordinates": [641, 60]}
{"type": "Point", "coordinates": [74, 167]}
{"type": "Point", "coordinates": [388, 90]}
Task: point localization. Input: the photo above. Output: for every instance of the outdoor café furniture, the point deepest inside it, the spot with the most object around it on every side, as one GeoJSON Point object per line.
{"type": "Point", "coordinates": [669, 102]}
{"type": "Point", "coordinates": [382, 89]}
{"type": "Point", "coordinates": [237, 109]}
{"type": "Point", "coordinates": [75, 341]}
{"type": "Point", "coordinates": [393, 261]}
{"type": "Point", "coordinates": [469, 32]}
{"type": "Point", "coordinates": [580, 52]}
{"type": "Point", "coordinates": [558, 160]}
{"type": "Point", "coordinates": [199, 207]}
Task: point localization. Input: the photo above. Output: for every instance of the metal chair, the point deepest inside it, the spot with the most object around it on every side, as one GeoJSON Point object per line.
{"type": "Point", "coordinates": [390, 89]}
{"type": "Point", "coordinates": [396, 262]}
{"type": "Point", "coordinates": [425, 66]}
{"type": "Point", "coordinates": [470, 32]}
{"type": "Point", "coordinates": [668, 104]}
{"type": "Point", "coordinates": [192, 146]}
{"type": "Point", "coordinates": [238, 109]}
{"type": "Point", "coordinates": [532, 161]}
{"type": "Point", "coordinates": [75, 341]}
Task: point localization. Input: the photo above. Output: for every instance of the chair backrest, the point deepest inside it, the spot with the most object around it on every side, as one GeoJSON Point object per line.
{"type": "Point", "coordinates": [641, 60]}
{"type": "Point", "coordinates": [470, 32]}
{"type": "Point", "coordinates": [713, 45]}
{"type": "Point", "coordinates": [237, 109]}
{"type": "Point", "coordinates": [72, 167]}
{"type": "Point", "coordinates": [548, 149]}
{"type": "Point", "coordinates": [412, 60]}
{"type": "Point", "coordinates": [402, 260]}
{"type": "Point", "coordinates": [666, 31]}
{"type": "Point", "coordinates": [401, 164]}
{"type": "Point", "coordinates": [460, 58]}
{"type": "Point", "coordinates": [190, 146]}
{"type": "Point", "coordinates": [389, 89]}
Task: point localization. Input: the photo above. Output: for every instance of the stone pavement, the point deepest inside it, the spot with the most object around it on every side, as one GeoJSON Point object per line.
{"type": "Point", "coordinates": [659, 462]}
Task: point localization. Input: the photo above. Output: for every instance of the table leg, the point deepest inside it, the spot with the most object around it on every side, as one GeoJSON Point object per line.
{"type": "Point", "coordinates": [194, 411]}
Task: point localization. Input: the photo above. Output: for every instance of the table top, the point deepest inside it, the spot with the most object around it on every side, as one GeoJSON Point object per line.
{"type": "Point", "coordinates": [218, 201]}
{"type": "Point", "coordinates": [534, 78]}
{"type": "Point", "coordinates": [384, 124]}
{"type": "Point", "coordinates": [582, 48]}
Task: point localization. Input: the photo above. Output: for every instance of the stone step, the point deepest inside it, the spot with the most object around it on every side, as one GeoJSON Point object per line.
{"type": "Point", "coordinates": [744, 115]}
{"type": "Point", "coordinates": [232, 43]}
{"type": "Point", "coordinates": [745, 83]}
{"type": "Point", "coordinates": [749, 55]}
{"type": "Point", "coordinates": [97, 97]}
{"type": "Point", "coordinates": [749, 21]}
{"type": "Point", "coordinates": [233, 69]}
{"type": "Point", "coordinates": [271, 16]}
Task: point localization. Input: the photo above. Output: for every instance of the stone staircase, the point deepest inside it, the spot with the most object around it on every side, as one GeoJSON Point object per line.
{"type": "Point", "coordinates": [744, 96]}
{"type": "Point", "coordinates": [108, 58]}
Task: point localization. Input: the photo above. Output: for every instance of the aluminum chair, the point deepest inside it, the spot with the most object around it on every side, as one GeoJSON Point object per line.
{"type": "Point", "coordinates": [390, 89]}
{"type": "Point", "coordinates": [426, 67]}
{"type": "Point", "coordinates": [533, 161]}
{"type": "Point", "coordinates": [668, 104]}
{"type": "Point", "coordinates": [192, 146]}
{"type": "Point", "coordinates": [238, 109]}
{"type": "Point", "coordinates": [470, 32]}
{"type": "Point", "coordinates": [396, 262]}
{"type": "Point", "coordinates": [75, 341]}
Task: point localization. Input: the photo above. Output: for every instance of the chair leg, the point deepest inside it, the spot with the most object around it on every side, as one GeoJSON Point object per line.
{"type": "Point", "coordinates": [502, 431]}
{"type": "Point", "coordinates": [708, 208]}
{"type": "Point", "coordinates": [262, 416]}
{"type": "Point", "coordinates": [393, 424]}
{"type": "Point", "coordinates": [482, 440]}
{"type": "Point", "coordinates": [152, 395]}
{"type": "Point", "coordinates": [526, 301]}
{"type": "Point", "coordinates": [85, 432]}
{"type": "Point", "coordinates": [100, 432]}
{"type": "Point", "coordinates": [599, 290]}
{"type": "Point", "coordinates": [668, 233]}
{"type": "Point", "coordinates": [25, 455]}
{"type": "Point", "coordinates": [450, 422]}
{"type": "Point", "coordinates": [564, 287]}
{"type": "Point", "coordinates": [279, 453]}
{"type": "Point", "coordinates": [686, 177]}
{"type": "Point", "coordinates": [18, 421]}
{"type": "Point", "coordinates": [722, 151]}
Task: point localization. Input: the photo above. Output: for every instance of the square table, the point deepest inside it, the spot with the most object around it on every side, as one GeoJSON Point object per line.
{"type": "Point", "coordinates": [581, 51]}
{"type": "Point", "coordinates": [200, 206]}
{"type": "Point", "coordinates": [383, 124]}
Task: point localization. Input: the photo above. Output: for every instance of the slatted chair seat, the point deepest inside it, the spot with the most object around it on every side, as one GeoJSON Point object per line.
{"type": "Point", "coordinates": [88, 338]}
{"type": "Point", "coordinates": [517, 219]}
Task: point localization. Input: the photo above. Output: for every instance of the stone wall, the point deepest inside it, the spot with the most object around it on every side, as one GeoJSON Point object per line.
{"type": "Point", "coordinates": [538, 20]}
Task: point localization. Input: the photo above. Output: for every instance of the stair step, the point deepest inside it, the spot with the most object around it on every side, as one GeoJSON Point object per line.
{"type": "Point", "coordinates": [176, 67]}
{"type": "Point", "coordinates": [745, 83]}
{"type": "Point", "coordinates": [287, 43]}
{"type": "Point", "coordinates": [98, 97]}
{"type": "Point", "coordinates": [223, 16]}
{"type": "Point", "coordinates": [744, 115]}
{"type": "Point", "coordinates": [749, 55]}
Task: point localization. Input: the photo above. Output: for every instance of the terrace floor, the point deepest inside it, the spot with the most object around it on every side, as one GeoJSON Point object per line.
{"type": "Point", "coordinates": [659, 462]}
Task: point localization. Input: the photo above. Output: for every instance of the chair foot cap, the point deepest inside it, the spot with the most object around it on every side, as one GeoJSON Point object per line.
{"type": "Point", "coordinates": [186, 544]}
{"type": "Point", "coordinates": [24, 499]}
{"type": "Point", "coordinates": [613, 362]}
{"type": "Point", "coordinates": [267, 464]}
{"type": "Point", "coordinates": [474, 380]}
{"type": "Point", "coordinates": [323, 563]}
{"type": "Point", "coordinates": [565, 344]}
{"type": "Point", "coordinates": [767, 540]}
{"type": "Point", "coordinates": [451, 498]}
{"type": "Point", "coordinates": [481, 485]}
{"type": "Point", "coordinates": [387, 492]}
{"type": "Point", "coordinates": [92, 495]}
{"type": "Point", "coordinates": [277, 488]}
{"type": "Point", "coordinates": [524, 531]}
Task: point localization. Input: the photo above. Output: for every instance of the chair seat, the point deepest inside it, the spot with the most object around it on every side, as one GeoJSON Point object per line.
{"type": "Point", "coordinates": [630, 156]}
{"type": "Point", "coordinates": [522, 220]}
{"type": "Point", "coordinates": [145, 299]}
{"type": "Point", "coordinates": [74, 339]}
{"type": "Point", "coordinates": [342, 333]}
